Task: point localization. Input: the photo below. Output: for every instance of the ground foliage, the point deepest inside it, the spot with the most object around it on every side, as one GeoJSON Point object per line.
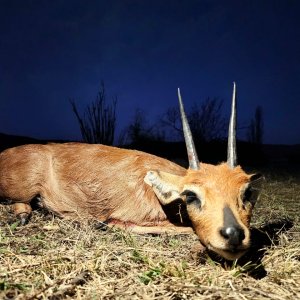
{"type": "Point", "coordinates": [51, 258]}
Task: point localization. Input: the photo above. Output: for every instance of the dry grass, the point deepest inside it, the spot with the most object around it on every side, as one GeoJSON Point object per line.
{"type": "Point", "coordinates": [51, 258]}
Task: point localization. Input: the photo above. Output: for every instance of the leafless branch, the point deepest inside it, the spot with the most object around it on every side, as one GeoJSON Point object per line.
{"type": "Point", "coordinates": [97, 125]}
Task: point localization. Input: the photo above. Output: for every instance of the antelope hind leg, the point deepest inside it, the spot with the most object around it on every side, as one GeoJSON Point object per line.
{"type": "Point", "coordinates": [22, 212]}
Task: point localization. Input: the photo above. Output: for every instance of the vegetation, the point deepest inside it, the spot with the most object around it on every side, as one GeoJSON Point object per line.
{"type": "Point", "coordinates": [256, 128]}
{"type": "Point", "coordinates": [98, 122]}
{"type": "Point", "coordinates": [208, 125]}
{"type": "Point", "coordinates": [51, 258]}
{"type": "Point", "coordinates": [206, 121]}
{"type": "Point", "coordinates": [139, 131]}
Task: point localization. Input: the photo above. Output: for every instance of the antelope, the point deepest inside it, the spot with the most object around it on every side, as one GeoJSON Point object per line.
{"type": "Point", "coordinates": [131, 189]}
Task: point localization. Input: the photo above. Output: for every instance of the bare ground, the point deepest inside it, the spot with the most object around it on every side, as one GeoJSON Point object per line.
{"type": "Point", "coordinates": [50, 258]}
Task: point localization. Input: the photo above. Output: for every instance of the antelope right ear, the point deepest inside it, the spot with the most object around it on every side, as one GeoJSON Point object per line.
{"type": "Point", "coordinates": [256, 181]}
{"type": "Point", "coordinates": [165, 185]}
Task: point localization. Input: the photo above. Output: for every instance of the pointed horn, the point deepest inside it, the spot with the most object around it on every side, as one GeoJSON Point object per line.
{"type": "Point", "coordinates": [231, 150]}
{"type": "Point", "coordinates": [190, 146]}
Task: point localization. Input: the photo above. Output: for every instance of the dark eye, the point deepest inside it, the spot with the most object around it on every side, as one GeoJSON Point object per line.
{"type": "Point", "coordinates": [247, 195]}
{"type": "Point", "coordinates": [250, 196]}
{"type": "Point", "coordinates": [191, 197]}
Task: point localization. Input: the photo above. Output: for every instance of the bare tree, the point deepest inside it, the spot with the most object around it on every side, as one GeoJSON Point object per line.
{"type": "Point", "coordinates": [97, 124]}
{"type": "Point", "coordinates": [137, 128]}
{"type": "Point", "coordinates": [171, 120]}
{"type": "Point", "coordinates": [138, 131]}
{"type": "Point", "coordinates": [256, 128]}
{"type": "Point", "coordinates": [206, 121]}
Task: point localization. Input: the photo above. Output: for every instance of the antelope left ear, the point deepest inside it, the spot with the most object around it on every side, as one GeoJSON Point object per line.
{"type": "Point", "coordinates": [164, 185]}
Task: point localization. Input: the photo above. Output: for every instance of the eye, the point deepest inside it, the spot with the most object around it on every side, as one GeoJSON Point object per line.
{"type": "Point", "coordinates": [250, 195]}
{"type": "Point", "coordinates": [247, 195]}
{"type": "Point", "coordinates": [191, 198]}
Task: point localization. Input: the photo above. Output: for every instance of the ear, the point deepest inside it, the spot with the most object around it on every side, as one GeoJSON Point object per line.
{"type": "Point", "coordinates": [165, 185]}
{"type": "Point", "coordinates": [256, 181]}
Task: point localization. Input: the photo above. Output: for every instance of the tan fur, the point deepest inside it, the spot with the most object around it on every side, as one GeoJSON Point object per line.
{"type": "Point", "coordinates": [218, 186]}
{"type": "Point", "coordinates": [122, 186]}
{"type": "Point", "coordinates": [78, 180]}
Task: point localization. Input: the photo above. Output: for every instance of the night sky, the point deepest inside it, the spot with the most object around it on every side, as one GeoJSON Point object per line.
{"type": "Point", "coordinates": [51, 51]}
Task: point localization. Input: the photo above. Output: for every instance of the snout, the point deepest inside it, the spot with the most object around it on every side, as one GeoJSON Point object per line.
{"type": "Point", "coordinates": [228, 236]}
{"type": "Point", "coordinates": [233, 239]}
{"type": "Point", "coordinates": [234, 236]}
{"type": "Point", "coordinates": [236, 241]}
{"type": "Point", "coordinates": [230, 242]}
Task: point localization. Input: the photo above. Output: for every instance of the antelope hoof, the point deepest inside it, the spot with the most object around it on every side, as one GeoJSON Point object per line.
{"type": "Point", "coordinates": [23, 217]}
{"type": "Point", "coordinates": [103, 226]}
{"type": "Point", "coordinates": [198, 252]}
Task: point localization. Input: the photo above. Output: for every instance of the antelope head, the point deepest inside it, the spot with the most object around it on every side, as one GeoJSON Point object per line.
{"type": "Point", "coordinates": [219, 198]}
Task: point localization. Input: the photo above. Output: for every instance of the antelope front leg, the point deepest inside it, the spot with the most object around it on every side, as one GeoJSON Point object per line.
{"type": "Point", "coordinates": [167, 228]}
{"type": "Point", "coordinates": [171, 230]}
{"type": "Point", "coordinates": [22, 212]}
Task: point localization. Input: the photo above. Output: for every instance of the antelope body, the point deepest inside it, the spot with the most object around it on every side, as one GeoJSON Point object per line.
{"type": "Point", "coordinates": [131, 189]}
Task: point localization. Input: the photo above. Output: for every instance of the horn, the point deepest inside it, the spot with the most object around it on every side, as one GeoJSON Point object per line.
{"type": "Point", "coordinates": [231, 150]}
{"type": "Point", "coordinates": [190, 146]}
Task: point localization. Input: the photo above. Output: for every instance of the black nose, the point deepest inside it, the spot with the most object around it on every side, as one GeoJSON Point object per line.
{"type": "Point", "coordinates": [233, 234]}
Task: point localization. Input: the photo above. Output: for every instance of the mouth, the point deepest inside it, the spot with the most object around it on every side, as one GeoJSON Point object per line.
{"type": "Point", "coordinates": [229, 254]}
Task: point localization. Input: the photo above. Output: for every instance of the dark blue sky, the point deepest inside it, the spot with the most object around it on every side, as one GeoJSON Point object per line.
{"type": "Point", "coordinates": [51, 51]}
